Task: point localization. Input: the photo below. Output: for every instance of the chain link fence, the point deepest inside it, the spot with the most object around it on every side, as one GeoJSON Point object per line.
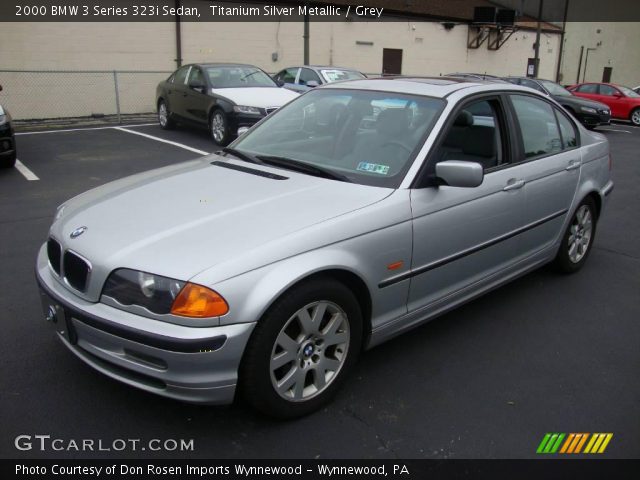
{"type": "Point", "coordinates": [35, 95]}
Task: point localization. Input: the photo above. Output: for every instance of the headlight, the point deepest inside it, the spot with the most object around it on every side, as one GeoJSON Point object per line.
{"type": "Point", "coordinates": [3, 119]}
{"type": "Point", "coordinates": [246, 109]}
{"type": "Point", "coordinates": [163, 295]}
{"type": "Point", "coordinates": [588, 109]}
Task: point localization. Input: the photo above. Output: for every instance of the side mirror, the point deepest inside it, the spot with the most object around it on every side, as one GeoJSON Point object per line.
{"type": "Point", "coordinates": [197, 86]}
{"type": "Point", "coordinates": [280, 83]}
{"type": "Point", "coordinates": [618, 95]}
{"type": "Point", "coordinates": [459, 173]}
{"type": "Point", "coordinates": [312, 83]}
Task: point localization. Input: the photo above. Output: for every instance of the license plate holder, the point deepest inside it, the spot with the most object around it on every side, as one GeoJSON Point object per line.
{"type": "Point", "coordinates": [59, 317]}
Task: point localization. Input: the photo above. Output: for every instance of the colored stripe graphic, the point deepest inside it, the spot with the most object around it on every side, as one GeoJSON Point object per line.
{"type": "Point", "coordinates": [573, 443]}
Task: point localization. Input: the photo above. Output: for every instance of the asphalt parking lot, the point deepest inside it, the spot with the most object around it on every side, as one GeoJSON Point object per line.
{"type": "Point", "coordinates": [546, 353]}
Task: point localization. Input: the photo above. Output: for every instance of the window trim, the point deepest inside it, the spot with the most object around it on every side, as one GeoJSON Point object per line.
{"type": "Point", "coordinates": [423, 179]}
{"type": "Point", "coordinates": [516, 126]}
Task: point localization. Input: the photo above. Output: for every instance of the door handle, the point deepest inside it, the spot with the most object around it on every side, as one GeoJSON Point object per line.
{"type": "Point", "coordinates": [573, 165]}
{"type": "Point", "coordinates": [513, 184]}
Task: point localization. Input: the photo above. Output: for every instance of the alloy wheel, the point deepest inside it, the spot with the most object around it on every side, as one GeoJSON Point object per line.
{"type": "Point", "coordinates": [218, 127]}
{"type": "Point", "coordinates": [309, 351]}
{"type": "Point", "coordinates": [580, 234]}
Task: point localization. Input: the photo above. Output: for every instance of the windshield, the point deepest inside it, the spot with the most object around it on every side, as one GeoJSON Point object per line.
{"type": "Point", "coordinates": [555, 89]}
{"type": "Point", "coordinates": [238, 76]}
{"type": "Point", "coordinates": [334, 75]}
{"type": "Point", "coordinates": [628, 92]}
{"type": "Point", "coordinates": [366, 137]}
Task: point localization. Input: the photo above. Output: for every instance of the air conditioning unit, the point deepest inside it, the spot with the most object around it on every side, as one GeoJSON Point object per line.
{"type": "Point", "coordinates": [484, 14]}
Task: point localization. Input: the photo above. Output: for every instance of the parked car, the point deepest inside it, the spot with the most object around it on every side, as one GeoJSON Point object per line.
{"type": "Point", "coordinates": [266, 269]}
{"type": "Point", "coordinates": [589, 112]}
{"type": "Point", "coordinates": [7, 139]}
{"type": "Point", "coordinates": [623, 102]}
{"type": "Point", "coordinates": [225, 98]}
{"type": "Point", "coordinates": [303, 78]}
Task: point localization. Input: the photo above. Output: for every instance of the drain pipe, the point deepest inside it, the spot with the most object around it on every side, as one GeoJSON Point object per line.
{"type": "Point", "coordinates": [178, 59]}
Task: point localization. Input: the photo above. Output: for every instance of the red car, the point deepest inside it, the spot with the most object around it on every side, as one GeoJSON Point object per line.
{"type": "Point", "coordinates": [624, 102]}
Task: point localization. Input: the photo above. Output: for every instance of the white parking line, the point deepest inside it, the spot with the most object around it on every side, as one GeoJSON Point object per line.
{"type": "Point", "coordinates": [158, 139]}
{"type": "Point", "coordinates": [83, 129]}
{"type": "Point", "coordinates": [614, 130]}
{"type": "Point", "coordinates": [28, 174]}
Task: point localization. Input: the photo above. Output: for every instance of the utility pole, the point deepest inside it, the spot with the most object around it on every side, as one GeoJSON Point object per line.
{"type": "Point", "coordinates": [178, 37]}
{"type": "Point", "coordinates": [536, 57]}
{"type": "Point", "coordinates": [305, 36]}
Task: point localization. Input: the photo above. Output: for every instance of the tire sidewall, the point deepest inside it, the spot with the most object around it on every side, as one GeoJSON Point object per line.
{"type": "Point", "coordinates": [634, 111]}
{"type": "Point", "coordinates": [255, 374]}
{"type": "Point", "coordinates": [169, 123]}
{"type": "Point", "coordinates": [562, 261]}
{"type": "Point", "coordinates": [225, 140]}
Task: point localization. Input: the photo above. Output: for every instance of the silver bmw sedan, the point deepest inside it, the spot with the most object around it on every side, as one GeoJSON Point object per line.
{"type": "Point", "coordinates": [352, 214]}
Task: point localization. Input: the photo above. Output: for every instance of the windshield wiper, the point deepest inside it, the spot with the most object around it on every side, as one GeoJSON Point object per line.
{"type": "Point", "coordinates": [242, 155]}
{"type": "Point", "coordinates": [303, 167]}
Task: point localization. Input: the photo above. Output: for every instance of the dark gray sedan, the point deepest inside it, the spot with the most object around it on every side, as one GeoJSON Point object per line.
{"type": "Point", "coordinates": [589, 112]}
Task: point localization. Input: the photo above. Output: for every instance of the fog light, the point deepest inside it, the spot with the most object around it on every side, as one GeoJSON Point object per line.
{"type": "Point", "coordinates": [242, 130]}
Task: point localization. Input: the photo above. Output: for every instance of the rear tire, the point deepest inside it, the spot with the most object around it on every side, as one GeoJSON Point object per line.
{"type": "Point", "coordinates": [635, 117]}
{"type": "Point", "coordinates": [164, 116]}
{"type": "Point", "coordinates": [578, 238]}
{"type": "Point", "coordinates": [302, 350]}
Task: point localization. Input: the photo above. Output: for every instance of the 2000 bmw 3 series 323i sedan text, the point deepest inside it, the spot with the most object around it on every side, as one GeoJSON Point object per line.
{"type": "Point", "coordinates": [352, 214]}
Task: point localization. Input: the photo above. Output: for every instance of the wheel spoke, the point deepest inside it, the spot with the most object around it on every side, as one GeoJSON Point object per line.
{"type": "Point", "coordinates": [306, 322]}
{"type": "Point", "coordinates": [288, 381]}
{"type": "Point", "coordinates": [319, 378]}
{"type": "Point", "coordinates": [330, 364]}
{"type": "Point", "coordinates": [287, 343]}
{"type": "Point", "coordinates": [281, 359]}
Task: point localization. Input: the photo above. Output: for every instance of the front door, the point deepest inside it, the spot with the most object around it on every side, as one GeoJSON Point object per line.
{"type": "Point", "coordinates": [195, 97]}
{"type": "Point", "coordinates": [464, 236]}
{"type": "Point", "coordinates": [391, 61]}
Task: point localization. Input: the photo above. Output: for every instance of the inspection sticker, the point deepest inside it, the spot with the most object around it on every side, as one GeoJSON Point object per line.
{"type": "Point", "coordinates": [373, 168]}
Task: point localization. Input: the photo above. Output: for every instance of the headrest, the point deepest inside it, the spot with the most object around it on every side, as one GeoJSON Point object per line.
{"type": "Point", "coordinates": [464, 119]}
{"type": "Point", "coordinates": [392, 122]}
{"type": "Point", "coordinates": [480, 142]}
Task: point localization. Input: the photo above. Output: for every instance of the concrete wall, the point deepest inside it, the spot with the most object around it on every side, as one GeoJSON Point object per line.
{"type": "Point", "coordinates": [428, 49]}
{"type": "Point", "coordinates": [616, 46]}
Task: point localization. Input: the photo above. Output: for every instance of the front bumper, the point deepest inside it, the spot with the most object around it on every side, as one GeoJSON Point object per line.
{"type": "Point", "coordinates": [595, 119]}
{"type": "Point", "coordinates": [191, 364]}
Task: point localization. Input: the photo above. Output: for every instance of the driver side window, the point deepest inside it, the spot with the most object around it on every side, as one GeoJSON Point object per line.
{"type": "Point", "coordinates": [474, 136]}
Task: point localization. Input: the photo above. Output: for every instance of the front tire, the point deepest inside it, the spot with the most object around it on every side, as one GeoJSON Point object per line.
{"type": "Point", "coordinates": [578, 238]}
{"type": "Point", "coordinates": [302, 349]}
{"type": "Point", "coordinates": [635, 117]}
{"type": "Point", "coordinates": [219, 128]}
{"type": "Point", "coordinates": [8, 162]}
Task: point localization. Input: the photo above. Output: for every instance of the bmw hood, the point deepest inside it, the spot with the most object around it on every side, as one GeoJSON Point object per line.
{"type": "Point", "coordinates": [261, 97]}
{"type": "Point", "coordinates": [180, 220]}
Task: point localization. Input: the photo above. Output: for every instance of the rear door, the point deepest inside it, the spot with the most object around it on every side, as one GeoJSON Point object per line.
{"type": "Point", "coordinates": [551, 161]}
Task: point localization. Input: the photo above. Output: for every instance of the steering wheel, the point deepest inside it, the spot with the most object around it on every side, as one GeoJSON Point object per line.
{"type": "Point", "coordinates": [395, 143]}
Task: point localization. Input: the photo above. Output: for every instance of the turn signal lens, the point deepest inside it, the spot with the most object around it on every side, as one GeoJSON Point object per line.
{"type": "Point", "coordinates": [199, 302]}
